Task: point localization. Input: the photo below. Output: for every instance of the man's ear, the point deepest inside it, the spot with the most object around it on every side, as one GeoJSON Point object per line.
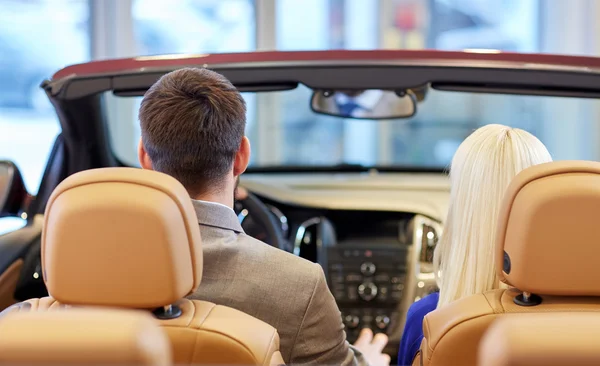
{"type": "Point", "coordinates": [143, 157]}
{"type": "Point", "coordinates": [242, 157]}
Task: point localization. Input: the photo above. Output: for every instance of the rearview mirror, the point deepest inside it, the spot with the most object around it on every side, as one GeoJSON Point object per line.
{"type": "Point", "coordinates": [12, 189]}
{"type": "Point", "coordinates": [365, 104]}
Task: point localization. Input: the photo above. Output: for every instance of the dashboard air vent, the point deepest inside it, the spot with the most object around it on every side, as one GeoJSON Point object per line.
{"type": "Point", "coordinates": [429, 240]}
{"type": "Point", "coordinates": [306, 239]}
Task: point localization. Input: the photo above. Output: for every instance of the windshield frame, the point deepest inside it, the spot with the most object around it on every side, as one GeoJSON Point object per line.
{"type": "Point", "coordinates": [77, 91]}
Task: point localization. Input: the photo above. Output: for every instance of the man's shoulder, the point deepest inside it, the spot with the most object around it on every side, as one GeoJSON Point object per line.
{"type": "Point", "coordinates": [279, 258]}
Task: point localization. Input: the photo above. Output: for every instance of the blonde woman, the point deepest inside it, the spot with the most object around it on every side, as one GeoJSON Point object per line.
{"type": "Point", "coordinates": [481, 170]}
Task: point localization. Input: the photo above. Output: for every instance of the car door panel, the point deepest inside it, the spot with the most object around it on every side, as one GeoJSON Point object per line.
{"type": "Point", "coordinates": [14, 246]}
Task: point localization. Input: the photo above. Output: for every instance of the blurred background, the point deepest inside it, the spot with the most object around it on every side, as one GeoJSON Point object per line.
{"type": "Point", "coordinates": [38, 37]}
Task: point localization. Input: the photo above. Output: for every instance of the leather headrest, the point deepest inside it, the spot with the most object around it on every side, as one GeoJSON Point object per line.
{"type": "Point", "coordinates": [548, 234]}
{"type": "Point", "coordinates": [121, 237]}
{"type": "Point", "coordinates": [82, 336]}
{"type": "Point", "coordinates": [541, 339]}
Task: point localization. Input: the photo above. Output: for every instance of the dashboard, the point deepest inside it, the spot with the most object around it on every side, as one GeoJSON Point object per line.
{"type": "Point", "coordinates": [373, 234]}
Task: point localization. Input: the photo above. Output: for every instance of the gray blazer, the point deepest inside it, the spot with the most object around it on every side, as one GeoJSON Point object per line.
{"type": "Point", "coordinates": [288, 292]}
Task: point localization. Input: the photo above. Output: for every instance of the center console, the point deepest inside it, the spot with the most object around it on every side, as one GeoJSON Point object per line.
{"type": "Point", "coordinates": [368, 282]}
{"type": "Point", "coordinates": [376, 268]}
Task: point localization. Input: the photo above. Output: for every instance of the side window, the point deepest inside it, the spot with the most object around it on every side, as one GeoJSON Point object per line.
{"type": "Point", "coordinates": [28, 123]}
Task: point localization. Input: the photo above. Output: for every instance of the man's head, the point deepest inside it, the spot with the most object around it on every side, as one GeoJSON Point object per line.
{"type": "Point", "coordinates": [193, 123]}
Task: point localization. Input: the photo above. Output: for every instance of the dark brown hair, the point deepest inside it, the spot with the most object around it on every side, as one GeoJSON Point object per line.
{"type": "Point", "coordinates": [192, 123]}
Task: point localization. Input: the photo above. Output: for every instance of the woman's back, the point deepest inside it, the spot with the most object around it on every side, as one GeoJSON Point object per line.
{"type": "Point", "coordinates": [481, 170]}
{"type": "Point", "coordinates": [413, 329]}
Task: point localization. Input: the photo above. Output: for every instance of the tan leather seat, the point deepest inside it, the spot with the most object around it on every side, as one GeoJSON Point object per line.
{"type": "Point", "coordinates": [551, 339]}
{"type": "Point", "coordinates": [547, 250]}
{"type": "Point", "coordinates": [78, 337]}
{"type": "Point", "coordinates": [129, 238]}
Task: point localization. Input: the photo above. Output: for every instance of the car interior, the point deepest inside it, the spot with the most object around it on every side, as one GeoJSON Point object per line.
{"type": "Point", "coordinates": [372, 228]}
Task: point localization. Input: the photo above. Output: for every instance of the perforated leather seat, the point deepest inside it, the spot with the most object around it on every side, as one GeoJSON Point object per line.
{"type": "Point", "coordinates": [129, 238]}
{"type": "Point", "coordinates": [546, 249]}
{"type": "Point", "coordinates": [78, 337]}
{"type": "Point", "coordinates": [550, 339]}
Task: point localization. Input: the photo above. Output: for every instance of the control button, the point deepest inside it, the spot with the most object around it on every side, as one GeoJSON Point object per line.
{"type": "Point", "coordinates": [367, 291]}
{"type": "Point", "coordinates": [351, 321]}
{"type": "Point", "coordinates": [336, 267]}
{"type": "Point", "coordinates": [382, 321]}
{"type": "Point", "coordinates": [382, 278]}
{"type": "Point", "coordinates": [397, 279]}
{"type": "Point", "coordinates": [399, 287]}
{"type": "Point", "coordinates": [347, 253]}
{"type": "Point", "coordinates": [367, 268]}
{"type": "Point", "coordinates": [352, 293]}
{"type": "Point", "coordinates": [383, 293]}
{"type": "Point", "coordinates": [397, 295]}
{"type": "Point", "coordinates": [337, 278]}
{"type": "Point", "coordinates": [354, 277]}
{"type": "Point", "coordinates": [367, 319]}
{"type": "Point", "coordinates": [356, 253]}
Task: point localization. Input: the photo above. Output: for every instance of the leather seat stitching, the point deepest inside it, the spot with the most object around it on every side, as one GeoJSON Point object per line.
{"type": "Point", "coordinates": [201, 321]}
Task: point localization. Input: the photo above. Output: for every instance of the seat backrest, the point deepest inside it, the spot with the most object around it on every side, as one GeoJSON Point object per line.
{"type": "Point", "coordinates": [129, 238]}
{"type": "Point", "coordinates": [77, 337]}
{"type": "Point", "coordinates": [546, 250]}
{"type": "Point", "coordinates": [550, 339]}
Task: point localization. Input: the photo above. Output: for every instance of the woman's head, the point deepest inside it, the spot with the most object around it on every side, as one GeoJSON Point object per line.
{"type": "Point", "coordinates": [481, 170]}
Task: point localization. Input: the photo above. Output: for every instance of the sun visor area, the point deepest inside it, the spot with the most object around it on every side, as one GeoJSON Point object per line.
{"type": "Point", "coordinates": [386, 75]}
{"type": "Point", "coordinates": [493, 88]}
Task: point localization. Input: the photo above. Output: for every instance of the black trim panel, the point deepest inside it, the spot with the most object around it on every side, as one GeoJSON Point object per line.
{"type": "Point", "coordinates": [16, 244]}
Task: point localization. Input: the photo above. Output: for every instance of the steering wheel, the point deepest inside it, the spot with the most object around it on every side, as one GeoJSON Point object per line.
{"type": "Point", "coordinates": [259, 222]}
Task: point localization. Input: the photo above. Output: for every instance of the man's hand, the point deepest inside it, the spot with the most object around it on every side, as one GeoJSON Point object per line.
{"type": "Point", "coordinates": [372, 347]}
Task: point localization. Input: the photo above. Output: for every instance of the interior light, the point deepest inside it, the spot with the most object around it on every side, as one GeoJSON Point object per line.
{"type": "Point", "coordinates": [421, 284]}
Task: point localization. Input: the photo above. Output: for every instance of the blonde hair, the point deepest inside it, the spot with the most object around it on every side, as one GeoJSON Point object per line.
{"type": "Point", "coordinates": [481, 170]}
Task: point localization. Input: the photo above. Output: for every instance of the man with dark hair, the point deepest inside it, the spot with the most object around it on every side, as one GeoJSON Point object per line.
{"type": "Point", "coordinates": [193, 123]}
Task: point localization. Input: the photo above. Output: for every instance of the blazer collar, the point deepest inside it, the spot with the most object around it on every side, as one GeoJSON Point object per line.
{"type": "Point", "coordinates": [217, 215]}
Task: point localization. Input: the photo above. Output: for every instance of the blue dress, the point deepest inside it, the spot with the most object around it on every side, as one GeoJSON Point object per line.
{"type": "Point", "coordinates": [413, 329]}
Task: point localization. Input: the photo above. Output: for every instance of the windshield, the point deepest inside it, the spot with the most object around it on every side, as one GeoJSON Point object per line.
{"type": "Point", "coordinates": [285, 132]}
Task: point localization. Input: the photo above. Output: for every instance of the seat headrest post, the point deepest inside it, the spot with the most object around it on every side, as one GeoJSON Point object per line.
{"type": "Point", "coordinates": [167, 312]}
{"type": "Point", "coordinates": [527, 299]}
{"type": "Point", "coordinates": [121, 237]}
